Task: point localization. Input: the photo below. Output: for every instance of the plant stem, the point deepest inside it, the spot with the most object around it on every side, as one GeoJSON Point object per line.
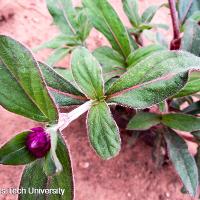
{"type": "Point", "coordinates": [66, 118]}
{"type": "Point", "coordinates": [176, 41]}
{"type": "Point", "coordinates": [174, 17]}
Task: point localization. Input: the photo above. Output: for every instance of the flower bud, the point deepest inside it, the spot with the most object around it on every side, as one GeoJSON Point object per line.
{"type": "Point", "coordinates": [38, 142]}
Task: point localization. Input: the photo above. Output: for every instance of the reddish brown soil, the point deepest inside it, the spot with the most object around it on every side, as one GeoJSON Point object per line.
{"type": "Point", "coordinates": [131, 175]}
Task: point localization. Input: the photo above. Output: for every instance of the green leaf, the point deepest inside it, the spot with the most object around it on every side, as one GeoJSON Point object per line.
{"type": "Point", "coordinates": [33, 177]}
{"type": "Point", "coordinates": [66, 73]}
{"type": "Point", "coordinates": [58, 55]}
{"type": "Point", "coordinates": [186, 8]}
{"type": "Point", "coordinates": [192, 85]}
{"type": "Point", "coordinates": [191, 38]}
{"type": "Point", "coordinates": [103, 131]}
{"type": "Point", "coordinates": [59, 41]}
{"type": "Point", "coordinates": [141, 53]}
{"type": "Point", "coordinates": [154, 79]}
{"type": "Point", "coordinates": [131, 9]}
{"type": "Point", "coordinates": [181, 122]}
{"type": "Point", "coordinates": [109, 57]}
{"type": "Point", "coordinates": [105, 19]}
{"type": "Point", "coordinates": [64, 15]}
{"type": "Point", "coordinates": [183, 162]}
{"type": "Point", "coordinates": [87, 73]}
{"type": "Point", "coordinates": [112, 62]}
{"type": "Point", "coordinates": [23, 90]}
{"type": "Point", "coordinates": [62, 180]}
{"type": "Point", "coordinates": [63, 91]}
{"type": "Point", "coordinates": [146, 95]}
{"type": "Point", "coordinates": [149, 13]}
{"type": "Point", "coordinates": [14, 152]}
{"type": "Point", "coordinates": [143, 121]}
{"type": "Point", "coordinates": [83, 23]}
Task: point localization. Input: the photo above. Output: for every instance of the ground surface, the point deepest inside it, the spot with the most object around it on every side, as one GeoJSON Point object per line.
{"type": "Point", "coordinates": [131, 175]}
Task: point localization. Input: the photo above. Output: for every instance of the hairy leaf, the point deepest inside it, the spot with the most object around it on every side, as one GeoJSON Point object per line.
{"type": "Point", "coordinates": [83, 23]}
{"type": "Point", "coordinates": [59, 41]}
{"type": "Point", "coordinates": [191, 38]}
{"type": "Point", "coordinates": [141, 53]}
{"type": "Point", "coordinates": [33, 177]}
{"type": "Point", "coordinates": [186, 8]}
{"type": "Point", "coordinates": [63, 91]}
{"type": "Point", "coordinates": [64, 15]}
{"type": "Point", "coordinates": [181, 122]}
{"type": "Point", "coordinates": [87, 73]}
{"type": "Point", "coordinates": [153, 79]}
{"type": "Point", "coordinates": [149, 13]}
{"type": "Point", "coordinates": [57, 55]}
{"type": "Point", "coordinates": [23, 90]}
{"type": "Point", "coordinates": [131, 9]}
{"type": "Point", "coordinates": [112, 62]}
{"type": "Point", "coordinates": [143, 121]}
{"type": "Point", "coordinates": [192, 85]}
{"type": "Point", "coordinates": [14, 152]}
{"type": "Point", "coordinates": [183, 162]}
{"type": "Point", "coordinates": [62, 180]}
{"type": "Point", "coordinates": [103, 131]}
{"type": "Point", "coordinates": [105, 19]}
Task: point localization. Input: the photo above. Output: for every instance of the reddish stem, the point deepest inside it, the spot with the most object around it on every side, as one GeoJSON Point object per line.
{"type": "Point", "coordinates": [176, 41]}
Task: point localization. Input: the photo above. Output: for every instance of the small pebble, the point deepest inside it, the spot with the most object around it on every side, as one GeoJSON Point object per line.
{"type": "Point", "coordinates": [84, 165]}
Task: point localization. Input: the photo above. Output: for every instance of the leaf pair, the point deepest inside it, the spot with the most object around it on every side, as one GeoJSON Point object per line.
{"type": "Point", "coordinates": [87, 74]}
{"type": "Point", "coordinates": [177, 148]}
{"type": "Point", "coordinates": [179, 121]}
{"type": "Point", "coordinates": [143, 22]}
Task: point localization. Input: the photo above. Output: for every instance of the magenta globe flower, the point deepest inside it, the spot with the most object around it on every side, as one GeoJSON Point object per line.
{"type": "Point", "coordinates": [38, 142]}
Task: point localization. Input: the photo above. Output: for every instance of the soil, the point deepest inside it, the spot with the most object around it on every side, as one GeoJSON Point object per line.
{"type": "Point", "coordinates": [132, 174]}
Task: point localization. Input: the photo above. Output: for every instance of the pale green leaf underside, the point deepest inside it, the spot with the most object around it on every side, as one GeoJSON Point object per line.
{"type": "Point", "coordinates": [23, 90]}
{"type": "Point", "coordinates": [183, 162]}
{"type": "Point", "coordinates": [103, 131]}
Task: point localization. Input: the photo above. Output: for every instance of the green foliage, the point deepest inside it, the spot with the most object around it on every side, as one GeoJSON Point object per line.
{"type": "Point", "coordinates": [122, 74]}
{"type": "Point", "coordinates": [23, 90]}
{"type": "Point", "coordinates": [107, 142]}
{"type": "Point", "coordinates": [87, 73]}
{"type": "Point", "coordinates": [183, 162]}
{"type": "Point", "coordinates": [143, 121]}
{"type": "Point", "coordinates": [105, 19]}
{"type": "Point", "coordinates": [35, 177]}
{"type": "Point", "coordinates": [63, 91]}
{"type": "Point", "coordinates": [179, 121]}
{"type": "Point", "coordinates": [74, 25]}
{"type": "Point", "coordinates": [14, 150]}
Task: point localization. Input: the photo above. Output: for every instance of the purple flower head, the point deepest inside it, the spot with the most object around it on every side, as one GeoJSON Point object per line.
{"type": "Point", "coordinates": [38, 142]}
